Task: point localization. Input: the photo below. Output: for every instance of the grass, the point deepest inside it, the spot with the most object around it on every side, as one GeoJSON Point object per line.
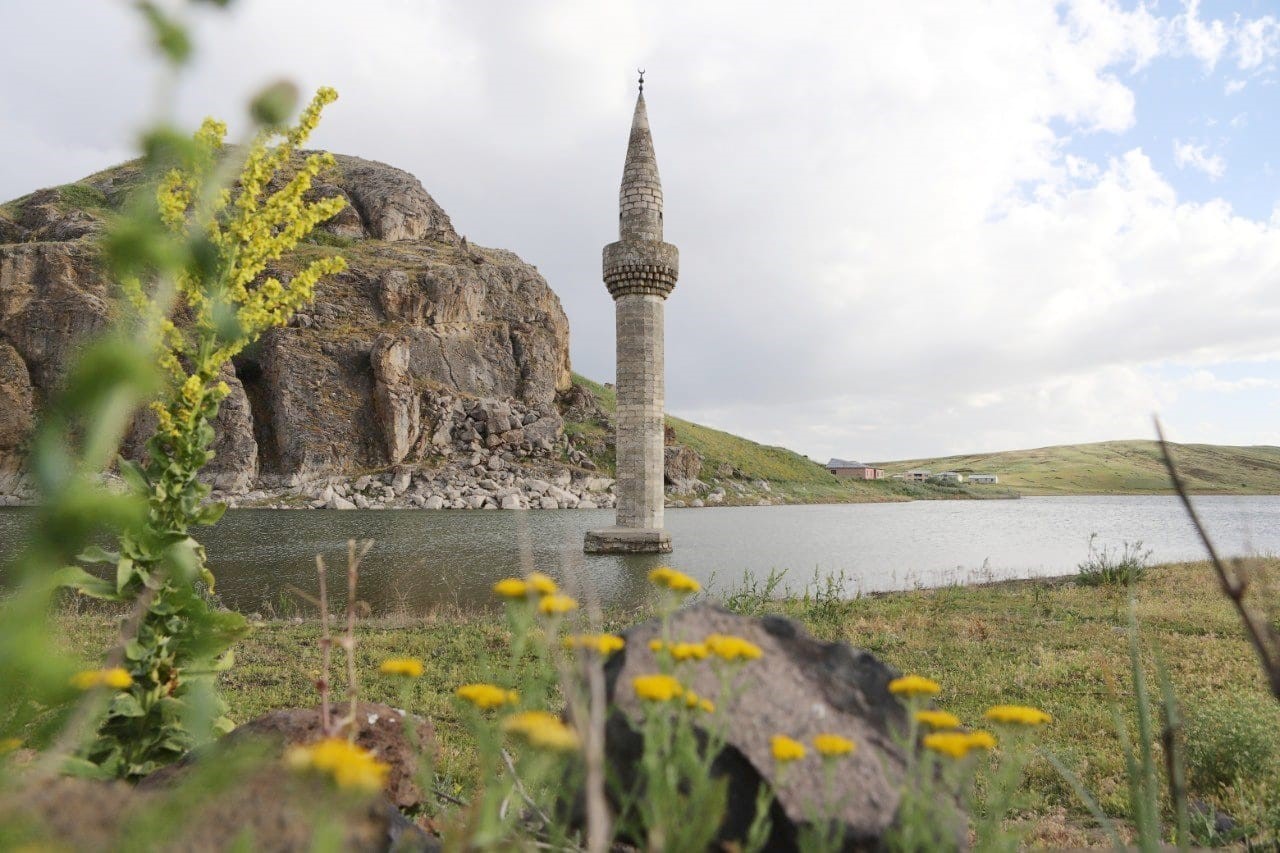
{"type": "Point", "coordinates": [1118, 467]}
{"type": "Point", "coordinates": [1053, 644]}
{"type": "Point", "coordinates": [792, 478]}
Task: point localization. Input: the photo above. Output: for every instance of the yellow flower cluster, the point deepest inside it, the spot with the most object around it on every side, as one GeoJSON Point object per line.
{"type": "Point", "coordinates": [681, 651]}
{"type": "Point", "coordinates": [693, 700]}
{"type": "Point", "coordinates": [556, 605]}
{"type": "Point", "coordinates": [938, 720]}
{"type": "Point", "coordinates": [115, 678]}
{"type": "Point", "coordinates": [832, 745]}
{"type": "Point", "coordinates": [914, 685]}
{"type": "Point", "coordinates": [674, 580]}
{"type": "Point", "coordinates": [404, 667]}
{"type": "Point", "coordinates": [601, 644]}
{"type": "Point", "coordinates": [731, 648]}
{"type": "Point", "coordinates": [958, 744]}
{"type": "Point", "coordinates": [542, 730]}
{"type": "Point", "coordinates": [512, 588]}
{"type": "Point", "coordinates": [349, 765]}
{"type": "Point", "coordinates": [1018, 715]}
{"type": "Point", "coordinates": [9, 744]}
{"type": "Point", "coordinates": [487, 696]}
{"type": "Point", "coordinates": [786, 749]}
{"type": "Point", "coordinates": [535, 583]}
{"type": "Point", "coordinates": [657, 688]}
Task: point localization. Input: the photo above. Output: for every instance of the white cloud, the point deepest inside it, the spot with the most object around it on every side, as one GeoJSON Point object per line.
{"type": "Point", "coordinates": [1257, 41]}
{"type": "Point", "coordinates": [1188, 155]}
{"type": "Point", "coordinates": [1205, 380]}
{"type": "Point", "coordinates": [886, 250]}
{"type": "Point", "coordinates": [1234, 87]}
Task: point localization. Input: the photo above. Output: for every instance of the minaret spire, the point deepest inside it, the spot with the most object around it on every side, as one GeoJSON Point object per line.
{"type": "Point", "coordinates": [640, 271]}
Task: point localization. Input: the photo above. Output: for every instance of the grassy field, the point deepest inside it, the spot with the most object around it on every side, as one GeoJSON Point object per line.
{"type": "Point", "coordinates": [1118, 467]}
{"type": "Point", "coordinates": [792, 478]}
{"type": "Point", "coordinates": [1052, 644]}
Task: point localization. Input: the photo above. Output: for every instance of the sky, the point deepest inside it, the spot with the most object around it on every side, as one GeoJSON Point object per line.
{"type": "Point", "coordinates": [906, 229]}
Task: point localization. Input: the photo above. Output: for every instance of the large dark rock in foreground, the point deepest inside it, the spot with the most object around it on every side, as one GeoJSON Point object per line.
{"type": "Point", "coordinates": [307, 399]}
{"type": "Point", "coordinates": [801, 687]}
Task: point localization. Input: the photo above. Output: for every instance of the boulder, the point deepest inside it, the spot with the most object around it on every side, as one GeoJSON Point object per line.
{"type": "Point", "coordinates": [17, 407]}
{"type": "Point", "coordinates": [394, 398]}
{"type": "Point", "coordinates": [800, 687]}
{"type": "Point", "coordinates": [681, 467]}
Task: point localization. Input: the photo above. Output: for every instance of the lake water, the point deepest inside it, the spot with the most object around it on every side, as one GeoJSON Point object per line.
{"type": "Point", "coordinates": [425, 559]}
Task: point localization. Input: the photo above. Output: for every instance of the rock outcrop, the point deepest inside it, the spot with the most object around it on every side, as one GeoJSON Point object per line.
{"type": "Point", "coordinates": [351, 383]}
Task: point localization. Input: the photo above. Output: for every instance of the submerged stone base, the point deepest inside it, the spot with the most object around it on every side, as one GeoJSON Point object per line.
{"type": "Point", "coordinates": [627, 540]}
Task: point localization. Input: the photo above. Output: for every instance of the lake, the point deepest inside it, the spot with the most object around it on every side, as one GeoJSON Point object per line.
{"type": "Point", "coordinates": [427, 559]}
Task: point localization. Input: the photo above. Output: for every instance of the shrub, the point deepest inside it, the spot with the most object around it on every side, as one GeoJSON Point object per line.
{"type": "Point", "coordinates": [1229, 739]}
{"type": "Point", "coordinates": [1113, 566]}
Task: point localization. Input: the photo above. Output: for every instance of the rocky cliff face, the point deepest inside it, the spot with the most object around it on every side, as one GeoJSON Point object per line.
{"type": "Point", "coordinates": [356, 380]}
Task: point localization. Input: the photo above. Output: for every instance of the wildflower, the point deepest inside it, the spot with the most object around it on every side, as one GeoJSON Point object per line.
{"type": "Point", "coordinates": [115, 678]}
{"type": "Point", "coordinates": [9, 744]}
{"type": "Point", "coordinates": [601, 644]}
{"type": "Point", "coordinates": [732, 648]}
{"type": "Point", "coordinates": [487, 696]}
{"type": "Point", "coordinates": [958, 744]}
{"type": "Point", "coordinates": [676, 581]}
{"type": "Point", "coordinates": [541, 584]}
{"type": "Point", "coordinates": [512, 588]}
{"type": "Point", "coordinates": [830, 745]}
{"type": "Point", "coordinates": [913, 685]}
{"type": "Point", "coordinates": [542, 729]}
{"type": "Point", "coordinates": [350, 766]}
{"type": "Point", "coordinates": [681, 651]}
{"type": "Point", "coordinates": [786, 749]}
{"type": "Point", "coordinates": [938, 720]}
{"type": "Point", "coordinates": [555, 605]}
{"type": "Point", "coordinates": [694, 701]}
{"type": "Point", "coordinates": [1019, 715]}
{"type": "Point", "coordinates": [406, 667]}
{"type": "Point", "coordinates": [657, 688]}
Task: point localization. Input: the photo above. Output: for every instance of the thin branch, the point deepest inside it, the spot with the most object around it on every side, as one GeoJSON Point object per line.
{"type": "Point", "coordinates": [520, 789]}
{"type": "Point", "coordinates": [326, 650]}
{"type": "Point", "coordinates": [1261, 635]}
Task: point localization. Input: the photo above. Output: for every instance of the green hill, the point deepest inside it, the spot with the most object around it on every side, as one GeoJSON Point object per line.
{"type": "Point", "coordinates": [1117, 467]}
{"type": "Point", "coordinates": [738, 464]}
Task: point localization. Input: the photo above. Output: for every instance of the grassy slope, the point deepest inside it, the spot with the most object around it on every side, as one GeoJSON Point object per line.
{"type": "Point", "coordinates": [1119, 467]}
{"type": "Point", "coordinates": [792, 477]}
{"type": "Point", "coordinates": [1052, 644]}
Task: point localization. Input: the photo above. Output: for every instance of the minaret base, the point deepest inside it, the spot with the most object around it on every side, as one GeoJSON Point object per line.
{"type": "Point", "coordinates": [627, 540]}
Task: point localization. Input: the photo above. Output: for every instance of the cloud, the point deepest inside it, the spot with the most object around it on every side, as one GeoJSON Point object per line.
{"type": "Point", "coordinates": [889, 248]}
{"type": "Point", "coordinates": [1191, 156]}
{"type": "Point", "coordinates": [1257, 41]}
{"type": "Point", "coordinates": [1234, 87]}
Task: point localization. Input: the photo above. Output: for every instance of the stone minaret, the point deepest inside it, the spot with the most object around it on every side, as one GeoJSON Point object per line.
{"type": "Point", "coordinates": [640, 271]}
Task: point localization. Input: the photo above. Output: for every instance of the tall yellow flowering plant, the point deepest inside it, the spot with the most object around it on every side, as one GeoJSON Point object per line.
{"type": "Point", "coordinates": [204, 310]}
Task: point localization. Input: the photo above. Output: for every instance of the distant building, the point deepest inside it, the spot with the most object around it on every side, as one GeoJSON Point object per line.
{"type": "Point", "coordinates": [854, 470]}
{"type": "Point", "coordinates": [949, 477]}
{"type": "Point", "coordinates": [983, 478]}
{"type": "Point", "coordinates": [915, 475]}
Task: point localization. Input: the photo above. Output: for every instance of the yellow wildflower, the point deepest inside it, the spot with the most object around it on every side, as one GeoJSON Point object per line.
{"type": "Point", "coordinates": [407, 667]}
{"type": "Point", "coordinates": [542, 729]}
{"type": "Point", "coordinates": [1019, 715]}
{"type": "Point", "coordinates": [541, 584]}
{"type": "Point", "coordinates": [555, 605]}
{"type": "Point", "coordinates": [938, 720]}
{"type": "Point", "coordinates": [674, 580]}
{"type": "Point", "coordinates": [657, 688]}
{"type": "Point", "coordinates": [9, 744]}
{"type": "Point", "coordinates": [914, 685]}
{"type": "Point", "coordinates": [958, 744]}
{"type": "Point", "coordinates": [729, 647]}
{"type": "Point", "coordinates": [832, 745]}
{"type": "Point", "coordinates": [681, 651]}
{"type": "Point", "coordinates": [693, 700]}
{"type": "Point", "coordinates": [786, 749]}
{"type": "Point", "coordinates": [487, 696]}
{"type": "Point", "coordinates": [512, 588]}
{"type": "Point", "coordinates": [602, 644]}
{"type": "Point", "coordinates": [115, 678]}
{"type": "Point", "coordinates": [350, 766]}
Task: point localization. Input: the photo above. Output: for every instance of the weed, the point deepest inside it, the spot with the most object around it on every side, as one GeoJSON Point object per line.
{"type": "Point", "coordinates": [1230, 739]}
{"type": "Point", "coordinates": [1113, 566]}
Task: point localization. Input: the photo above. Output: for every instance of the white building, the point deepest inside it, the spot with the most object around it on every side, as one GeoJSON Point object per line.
{"type": "Point", "coordinates": [949, 477]}
{"type": "Point", "coordinates": [983, 478]}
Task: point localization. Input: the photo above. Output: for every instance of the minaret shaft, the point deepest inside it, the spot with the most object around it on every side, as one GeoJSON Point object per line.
{"type": "Point", "coordinates": [640, 270]}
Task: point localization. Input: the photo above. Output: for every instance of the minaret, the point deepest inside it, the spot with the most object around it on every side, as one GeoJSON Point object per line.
{"type": "Point", "coordinates": [640, 271]}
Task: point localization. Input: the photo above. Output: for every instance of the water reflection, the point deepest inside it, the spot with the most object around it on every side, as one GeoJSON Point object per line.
{"type": "Point", "coordinates": [425, 560]}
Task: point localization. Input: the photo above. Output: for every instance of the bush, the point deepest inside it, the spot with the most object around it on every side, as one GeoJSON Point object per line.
{"type": "Point", "coordinates": [1113, 566]}
{"type": "Point", "coordinates": [1228, 740]}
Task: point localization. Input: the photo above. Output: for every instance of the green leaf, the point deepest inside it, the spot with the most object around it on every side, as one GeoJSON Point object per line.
{"type": "Point", "coordinates": [84, 583]}
{"type": "Point", "coordinates": [125, 705]}
{"type": "Point", "coordinates": [124, 573]}
{"type": "Point", "coordinates": [133, 475]}
{"type": "Point", "coordinates": [96, 554]}
{"type": "Point", "coordinates": [210, 513]}
{"type": "Point", "coordinates": [80, 768]}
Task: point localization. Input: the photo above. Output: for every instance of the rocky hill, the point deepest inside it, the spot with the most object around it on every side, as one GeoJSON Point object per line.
{"type": "Point", "coordinates": [426, 345]}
